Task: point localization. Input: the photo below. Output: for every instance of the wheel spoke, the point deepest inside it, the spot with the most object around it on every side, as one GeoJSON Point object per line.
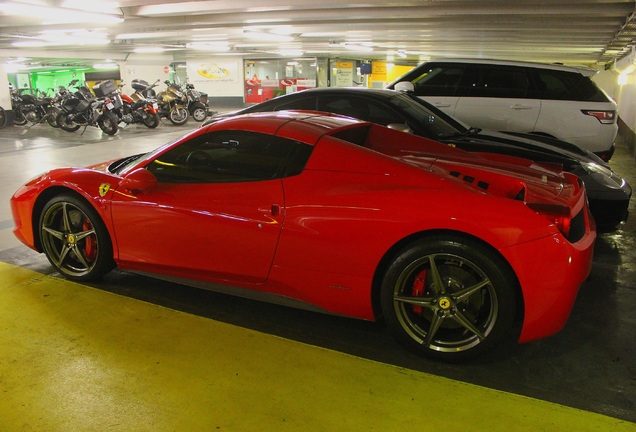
{"type": "Point", "coordinates": [436, 323]}
{"type": "Point", "coordinates": [63, 254]}
{"type": "Point", "coordinates": [417, 301]}
{"type": "Point", "coordinates": [467, 292]}
{"type": "Point", "coordinates": [82, 235]}
{"type": "Point", "coordinates": [56, 234]}
{"type": "Point", "coordinates": [80, 256]}
{"type": "Point", "coordinates": [65, 218]}
{"type": "Point", "coordinates": [437, 285]}
{"type": "Point", "coordinates": [465, 322]}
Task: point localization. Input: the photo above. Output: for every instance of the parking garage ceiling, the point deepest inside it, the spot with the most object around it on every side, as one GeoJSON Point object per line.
{"type": "Point", "coordinates": [581, 32]}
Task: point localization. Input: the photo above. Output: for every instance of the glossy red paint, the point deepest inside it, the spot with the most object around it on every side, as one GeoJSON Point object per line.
{"type": "Point", "coordinates": [321, 237]}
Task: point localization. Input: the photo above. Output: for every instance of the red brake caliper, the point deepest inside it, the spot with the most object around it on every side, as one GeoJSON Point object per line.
{"type": "Point", "coordinates": [419, 289]}
{"type": "Point", "coordinates": [89, 242]}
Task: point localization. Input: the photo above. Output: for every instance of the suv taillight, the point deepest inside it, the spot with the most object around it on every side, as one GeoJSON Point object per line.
{"type": "Point", "coordinates": [605, 117]}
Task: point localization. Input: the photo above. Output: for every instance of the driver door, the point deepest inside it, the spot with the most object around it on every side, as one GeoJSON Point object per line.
{"type": "Point", "coordinates": [215, 214]}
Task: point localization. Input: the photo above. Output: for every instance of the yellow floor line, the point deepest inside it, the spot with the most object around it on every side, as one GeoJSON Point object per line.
{"type": "Point", "coordinates": [75, 358]}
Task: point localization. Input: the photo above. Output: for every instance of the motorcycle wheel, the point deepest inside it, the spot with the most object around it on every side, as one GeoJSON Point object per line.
{"type": "Point", "coordinates": [198, 111]}
{"type": "Point", "coordinates": [108, 123]}
{"type": "Point", "coordinates": [51, 117]}
{"type": "Point", "coordinates": [66, 123]}
{"type": "Point", "coordinates": [19, 118]}
{"type": "Point", "coordinates": [178, 116]}
{"type": "Point", "coordinates": [3, 118]}
{"type": "Point", "coordinates": [151, 121]}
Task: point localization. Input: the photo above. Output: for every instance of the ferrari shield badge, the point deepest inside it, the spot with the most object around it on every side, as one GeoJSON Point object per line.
{"type": "Point", "coordinates": [103, 189]}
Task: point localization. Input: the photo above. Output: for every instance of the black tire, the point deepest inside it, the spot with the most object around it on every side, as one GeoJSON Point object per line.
{"type": "Point", "coordinates": [51, 117]}
{"type": "Point", "coordinates": [198, 111]}
{"type": "Point", "coordinates": [448, 298]}
{"type": "Point", "coordinates": [75, 239]}
{"type": "Point", "coordinates": [178, 116]}
{"type": "Point", "coordinates": [19, 118]}
{"type": "Point", "coordinates": [3, 118]}
{"type": "Point", "coordinates": [108, 123]}
{"type": "Point", "coordinates": [65, 123]}
{"type": "Point", "coordinates": [151, 121]}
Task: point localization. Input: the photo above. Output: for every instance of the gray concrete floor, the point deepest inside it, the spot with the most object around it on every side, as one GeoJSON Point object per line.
{"type": "Point", "coordinates": [590, 365]}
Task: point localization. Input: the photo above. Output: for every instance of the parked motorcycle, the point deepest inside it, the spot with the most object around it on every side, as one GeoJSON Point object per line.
{"type": "Point", "coordinates": [81, 108]}
{"type": "Point", "coordinates": [29, 109]}
{"type": "Point", "coordinates": [173, 104]}
{"type": "Point", "coordinates": [139, 109]}
{"type": "Point", "coordinates": [196, 107]}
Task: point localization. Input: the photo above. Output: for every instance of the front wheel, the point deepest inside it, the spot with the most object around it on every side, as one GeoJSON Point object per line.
{"type": "Point", "coordinates": [75, 239]}
{"type": "Point", "coordinates": [64, 121]}
{"type": "Point", "coordinates": [51, 117]}
{"type": "Point", "coordinates": [448, 298]}
{"type": "Point", "coordinates": [108, 123]}
{"type": "Point", "coordinates": [198, 111]}
{"type": "Point", "coordinates": [178, 115]}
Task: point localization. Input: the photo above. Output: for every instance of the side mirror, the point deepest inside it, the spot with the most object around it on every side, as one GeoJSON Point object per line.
{"type": "Point", "coordinates": [139, 181]}
{"type": "Point", "coordinates": [400, 127]}
{"type": "Point", "coordinates": [405, 86]}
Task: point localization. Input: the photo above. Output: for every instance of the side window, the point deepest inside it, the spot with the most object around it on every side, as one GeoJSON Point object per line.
{"type": "Point", "coordinates": [231, 156]}
{"type": "Point", "coordinates": [562, 85]}
{"type": "Point", "coordinates": [360, 108]}
{"type": "Point", "coordinates": [495, 82]}
{"type": "Point", "coordinates": [439, 80]}
{"type": "Point", "coordinates": [302, 104]}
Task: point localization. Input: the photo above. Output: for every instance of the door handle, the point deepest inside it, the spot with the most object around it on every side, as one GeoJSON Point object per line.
{"type": "Point", "coordinates": [275, 209]}
{"type": "Point", "coordinates": [521, 107]}
{"type": "Point", "coordinates": [441, 105]}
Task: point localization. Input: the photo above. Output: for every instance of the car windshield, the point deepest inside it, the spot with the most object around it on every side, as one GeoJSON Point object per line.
{"type": "Point", "coordinates": [433, 121]}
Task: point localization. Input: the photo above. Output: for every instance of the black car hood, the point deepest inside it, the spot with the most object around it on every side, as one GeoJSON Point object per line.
{"type": "Point", "coordinates": [523, 145]}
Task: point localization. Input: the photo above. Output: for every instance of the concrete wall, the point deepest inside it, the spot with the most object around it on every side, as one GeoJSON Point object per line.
{"type": "Point", "coordinates": [624, 93]}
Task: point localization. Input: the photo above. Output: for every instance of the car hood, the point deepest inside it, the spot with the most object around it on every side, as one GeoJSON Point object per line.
{"type": "Point", "coordinates": [529, 146]}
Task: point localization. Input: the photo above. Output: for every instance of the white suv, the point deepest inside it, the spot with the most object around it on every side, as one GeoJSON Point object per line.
{"type": "Point", "coordinates": [551, 100]}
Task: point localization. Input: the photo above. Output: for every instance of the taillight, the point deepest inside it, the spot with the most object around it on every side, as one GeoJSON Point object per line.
{"type": "Point", "coordinates": [605, 117]}
{"type": "Point", "coordinates": [555, 213]}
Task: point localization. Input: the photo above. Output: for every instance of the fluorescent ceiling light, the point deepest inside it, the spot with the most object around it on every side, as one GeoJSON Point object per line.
{"type": "Point", "coordinates": [149, 50]}
{"type": "Point", "coordinates": [105, 66]}
{"type": "Point", "coordinates": [267, 37]}
{"type": "Point", "coordinates": [65, 37]}
{"type": "Point", "coordinates": [358, 47]}
{"type": "Point", "coordinates": [208, 46]}
{"type": "Point", "coordinates": [57, 15]}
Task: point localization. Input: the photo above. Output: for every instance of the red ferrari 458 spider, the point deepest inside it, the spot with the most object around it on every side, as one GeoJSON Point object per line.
{"type": "Point", "coordinates": [331, 214]}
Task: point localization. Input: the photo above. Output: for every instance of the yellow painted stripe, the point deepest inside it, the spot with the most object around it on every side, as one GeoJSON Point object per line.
{"type": "Point", "coordinates": [74, 358]}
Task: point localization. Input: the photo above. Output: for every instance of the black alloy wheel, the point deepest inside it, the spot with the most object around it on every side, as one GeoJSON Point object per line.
{"type": "Point", "coordinates": [75, 239]}
{"type": "Point", "coordinates": [449, 298]}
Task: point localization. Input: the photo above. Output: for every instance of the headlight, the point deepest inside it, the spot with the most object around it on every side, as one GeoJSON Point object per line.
{"type": "Point", "coordinates": [604, 175]}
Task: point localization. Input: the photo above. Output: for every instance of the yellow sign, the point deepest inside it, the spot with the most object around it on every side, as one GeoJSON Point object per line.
{"type": "Point", "coordinates": [344, 65]}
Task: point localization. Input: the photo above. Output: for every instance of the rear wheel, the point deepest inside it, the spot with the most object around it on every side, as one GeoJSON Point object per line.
{"type": "Point", "coordinates": [75, 239]}
{"type": "Point", "coordinates": [198, 111]}
{"type": "Point", "coordinates": [19, 118]}
{"type": "Point", "coordinates": [448, 298]}
{"type": "Point", "coordinates": [3, 118]}
{"type": "Point", "coordinates": [65, 123]}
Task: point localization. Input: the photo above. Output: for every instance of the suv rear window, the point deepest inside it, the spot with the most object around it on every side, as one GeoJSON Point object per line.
{"type": "Point", "coordinates": [562, 85]}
